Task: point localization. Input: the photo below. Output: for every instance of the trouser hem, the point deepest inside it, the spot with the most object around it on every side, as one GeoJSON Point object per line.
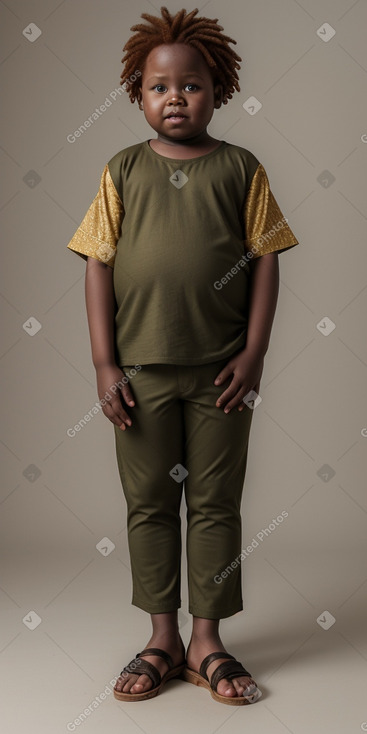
{"type": "Point", "coordinates": [162, 608]}
{"type": "Point", "coordinates": [215, 613]}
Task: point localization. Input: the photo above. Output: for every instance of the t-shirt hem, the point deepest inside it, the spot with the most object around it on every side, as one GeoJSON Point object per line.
{"type": "Point", "coordinates": [278, 247]}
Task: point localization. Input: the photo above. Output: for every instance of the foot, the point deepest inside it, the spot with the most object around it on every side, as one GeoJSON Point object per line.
{"type": "Point", "coordinates": [199, 648]}
{"type": "Point", "coordinates": [134, 683]}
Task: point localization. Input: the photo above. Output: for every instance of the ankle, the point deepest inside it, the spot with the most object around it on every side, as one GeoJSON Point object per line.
{"type": "Point", "coordinates": [170, 636]}
{"type": "Point", "coordinates": [198, 638]}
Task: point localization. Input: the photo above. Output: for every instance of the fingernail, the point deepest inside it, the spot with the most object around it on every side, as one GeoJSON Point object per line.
{"type": "Point", "coordinates": [226, 410]}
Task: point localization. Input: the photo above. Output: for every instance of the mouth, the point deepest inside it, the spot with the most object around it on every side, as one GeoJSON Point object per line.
{"type": "Point", "coordinates": [176, 116]}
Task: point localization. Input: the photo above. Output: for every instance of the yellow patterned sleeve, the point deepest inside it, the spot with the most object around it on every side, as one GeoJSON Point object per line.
{"type": "Point", "coordinates": [100, 229]}
{"type": "Point", "coordinates": [266, 227]}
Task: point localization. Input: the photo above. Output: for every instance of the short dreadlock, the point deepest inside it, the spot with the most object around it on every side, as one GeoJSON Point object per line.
{"type": "Point", "coordinates": [202, 33]}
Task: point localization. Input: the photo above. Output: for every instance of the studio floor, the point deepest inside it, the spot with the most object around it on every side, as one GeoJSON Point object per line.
{"type": "Point", "coordinates": [60, 658]}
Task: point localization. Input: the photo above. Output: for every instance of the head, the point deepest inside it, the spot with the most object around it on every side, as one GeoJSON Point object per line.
{"type": "Point", "coordinates": [186, 65]}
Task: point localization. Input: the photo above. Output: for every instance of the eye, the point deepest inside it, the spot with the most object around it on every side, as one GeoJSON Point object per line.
{"type": "Point", "coordinates": [159, 85]}
{"type": "Point", "coordinates": [191, 85]}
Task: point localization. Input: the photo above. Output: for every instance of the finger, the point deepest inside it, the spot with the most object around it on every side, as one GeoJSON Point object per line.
{"type": "Point", "coordinates": [234, 402]}
{"type": "Point", "coordinates": [228, 394]}
{"type": "Point", "coordinates": [121, 418]}
{"type": "Point", "coordinates": [127, 395]}
{"type": "Point", "coordinates": [233, 399]}
{"type": "Point", "coordinates": [223, 374]}
{"type": "Point", "coordinates": [116, 414]}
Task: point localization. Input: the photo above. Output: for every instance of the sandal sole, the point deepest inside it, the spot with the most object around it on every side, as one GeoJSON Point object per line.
{"type": "Point", "coordinates": [152, 692]}
{"type": "Point", "coordinates": [191, 676]}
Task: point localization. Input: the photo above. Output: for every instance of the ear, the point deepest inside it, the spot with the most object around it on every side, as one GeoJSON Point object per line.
{"type": "Point", "coordinates": [218, 96]}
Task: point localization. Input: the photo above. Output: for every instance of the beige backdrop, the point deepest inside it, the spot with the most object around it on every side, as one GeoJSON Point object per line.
{"type": "Point", "coordinates": [68, 623]}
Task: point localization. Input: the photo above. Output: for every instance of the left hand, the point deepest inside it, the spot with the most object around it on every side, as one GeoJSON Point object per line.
{"type": "Point", "coordinates": [247, 368]}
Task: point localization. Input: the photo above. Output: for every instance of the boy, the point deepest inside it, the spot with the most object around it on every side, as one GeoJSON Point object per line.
{"type": "Point", "coordinates": [182, 244]}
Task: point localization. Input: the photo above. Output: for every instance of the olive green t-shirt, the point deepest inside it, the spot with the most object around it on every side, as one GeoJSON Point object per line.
{"type": "Point", "coordinates": [179, 235]}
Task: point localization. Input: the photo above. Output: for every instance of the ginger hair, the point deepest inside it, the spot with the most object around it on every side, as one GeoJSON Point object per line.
{"type": "Point", "coordinates": [201, 33]}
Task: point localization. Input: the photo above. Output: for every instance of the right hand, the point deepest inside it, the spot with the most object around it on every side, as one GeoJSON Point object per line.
{"type": "Point", "coordinates": [108, 377]}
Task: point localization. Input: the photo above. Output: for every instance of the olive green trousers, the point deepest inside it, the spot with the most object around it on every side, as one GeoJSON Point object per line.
{"type": "Point", "coordinates": [180, 439]}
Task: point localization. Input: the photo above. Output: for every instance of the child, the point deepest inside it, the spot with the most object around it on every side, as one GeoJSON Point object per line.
{"type": "Point", "coordinates": [181, 243]}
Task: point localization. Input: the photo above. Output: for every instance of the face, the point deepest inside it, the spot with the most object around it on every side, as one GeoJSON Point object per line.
{"type": "Point", "coordinates": [178, 94]}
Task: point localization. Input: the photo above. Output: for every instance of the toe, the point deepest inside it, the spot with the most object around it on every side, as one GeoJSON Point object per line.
{"type": "Point", "coordinates": [225, 688]}
{"type": "Point", "coordinates": [142, 684]}
{"type": "Point", "coordinates": [238, 685]}
{"type": "Point", "coordinates": [242, 683]}
{"type": "Point", "coordinates": [243, 686]}
{"type": "Point", "coordinates": [119, 683]}
{"type": "Point", "coordinates": [124, 682]}
{"type": "Point", "coordinates": [130, 681]}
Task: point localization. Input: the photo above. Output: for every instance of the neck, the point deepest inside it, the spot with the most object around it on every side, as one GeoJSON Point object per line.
{"type": "Point", "coordinates": [198, 140]}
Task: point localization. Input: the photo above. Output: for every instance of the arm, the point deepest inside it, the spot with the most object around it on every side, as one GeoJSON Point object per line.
{"type": "Point", "coordinates": [101, 305]}
{"type": "Point", "coordinates": [263, 301]}
{"type": "Point", "coordinates": [247, 365]}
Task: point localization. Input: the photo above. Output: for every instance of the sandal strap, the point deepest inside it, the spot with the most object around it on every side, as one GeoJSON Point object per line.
{"type": "Point", "coordinates": [229, 670]}
{"type": "Point", "coordinates": [160, 653]}
{"type": "Point", "coordinates": [146, 668]}
{"type": "Point", "coordinates": [209, 659]}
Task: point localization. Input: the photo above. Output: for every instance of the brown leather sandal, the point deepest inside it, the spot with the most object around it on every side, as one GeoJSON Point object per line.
{"type": "Point", "coordinates": [232, 669]}
{"type": "Point", "coordinates": [143, 666]}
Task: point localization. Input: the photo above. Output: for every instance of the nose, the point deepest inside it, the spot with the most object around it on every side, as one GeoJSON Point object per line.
{"type": "Point", "coordinates": [175, 98]}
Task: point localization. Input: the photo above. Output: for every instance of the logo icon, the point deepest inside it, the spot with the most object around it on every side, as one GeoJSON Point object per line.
{"type": "Point", "coordinates": [326, 326]}
{"type": "Point", "coordinates": [252, 105]}
{"type": "Point", "coordinates": [32, 620]}
{"type": "Point", "coordinates": [326, 620]}
{"type": "Point", "coordinates": [32, 178]}
{"type": "Point", "coordinates": [325, 179]}
{"type": "Point", "coordinates": [32, 472]}
{"type": "Point", "coordinates": [31, 32]}
{"type": "Point", "coordinates": [31, 326]}
{"type": "Point", "coordinates": [252, 399]}
{"type": "Point", "coordinates": [105, 546]}
{"type": "Point", "coordinates": [178, 179]}
{"type": "Point", "coordinates": [178, 473]}
{"type": "Point", "coordinates": [326, 32]}
{"type": "Point", "coordinates": [326, 472]}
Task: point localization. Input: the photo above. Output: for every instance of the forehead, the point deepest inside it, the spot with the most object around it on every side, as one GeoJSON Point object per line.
{"type": "Point", "coordinates": [175, 57]}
